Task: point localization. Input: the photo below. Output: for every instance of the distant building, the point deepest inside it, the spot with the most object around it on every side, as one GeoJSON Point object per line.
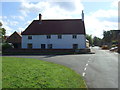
{"type": "Point", "coordinates": [15, 39]}
{"type": "Point", "coordinates": [87, 43]}
{"type": "Point", "coordinates": [55, 34]}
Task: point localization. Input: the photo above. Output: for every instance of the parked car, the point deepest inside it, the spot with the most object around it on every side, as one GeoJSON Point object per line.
{"type": "Point", "coordinates": [105, 47]}
{"type": "Point", "coordinates": [114, 49]}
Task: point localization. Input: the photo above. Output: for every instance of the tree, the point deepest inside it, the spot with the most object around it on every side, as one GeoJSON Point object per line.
{"type": "Point", "coordinates": [107, 36]}
{"type": "Point", "coordinates": [0, 24]}
{"type": "Point", "coordinates": [90, 39]}
{"type": "Point", "coordinates": [2, 33]}
{"type": "Point", "coordinates": [97, 41]}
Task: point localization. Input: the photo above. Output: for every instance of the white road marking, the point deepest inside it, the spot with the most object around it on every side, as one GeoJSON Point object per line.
{"type": "Point", "coordinates": [86, 64]}
{"type": "Point", "coordinates": [85, 69]}
{"type": "Point", "coordinates": [83, 74]}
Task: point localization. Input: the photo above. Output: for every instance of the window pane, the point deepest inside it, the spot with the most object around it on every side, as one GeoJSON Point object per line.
{"type": "Point", "coordinates": [59, 36]}
{"type": "Point", "coordinates": [42, 46]}
{"type": "Point", "coordinates": [74, 36]}
{"type": "Point", "coordinates": [29, 45]}
{"type": "Point", "coordinates": [29, 37]}
{"type": "Point", "coordinates": [49, 46]}
{"type": "Point", "coordinates": [75, 46]}
{"type": "Point", "coordinates": [48, 36]}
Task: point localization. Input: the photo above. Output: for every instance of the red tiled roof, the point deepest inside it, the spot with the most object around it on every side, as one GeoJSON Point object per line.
{"type": "Point", "coordinates": [66, 26]}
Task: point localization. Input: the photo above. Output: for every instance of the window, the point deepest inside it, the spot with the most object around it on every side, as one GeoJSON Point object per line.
{"type": "Point", "coordinates": [74, 36]}
{"type": "Point", "coordinates": [49, 46]}
{"type": "Point", "coordinates": [75, 46]}
{"type": "Point", "coordinates": [29, 45]}
{"type": "Point", "coordinates": [48, 36]}
{"type": "Point", "coordinates": [29, 37]}
{"type": "Point", "coordinates": [59, 36]}
{"type": "Point", "coordinates": [42, 46]}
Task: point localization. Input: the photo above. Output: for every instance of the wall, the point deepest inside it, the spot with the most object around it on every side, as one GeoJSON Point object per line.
{"type": "Point", "coordinates": [65, 43]}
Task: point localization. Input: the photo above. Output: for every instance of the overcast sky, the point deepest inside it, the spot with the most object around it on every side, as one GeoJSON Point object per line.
{"type": "Point", "coordinates": [99, 16]}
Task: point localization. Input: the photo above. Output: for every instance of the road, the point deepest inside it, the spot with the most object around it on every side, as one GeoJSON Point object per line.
{"type": "Point", "coordinates": [100, 70]}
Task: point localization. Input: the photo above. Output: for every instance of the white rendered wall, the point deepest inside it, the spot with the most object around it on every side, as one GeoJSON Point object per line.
{"type": "Point", "coordinates": [65, 43]}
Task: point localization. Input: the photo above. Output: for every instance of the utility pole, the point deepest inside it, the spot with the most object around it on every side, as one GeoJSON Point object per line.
{"type": "Point", "coordinates": [119, 43]}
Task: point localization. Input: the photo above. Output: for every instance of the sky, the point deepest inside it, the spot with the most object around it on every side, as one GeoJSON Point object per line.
{"type": "Point", "coordinates": [98, 15]}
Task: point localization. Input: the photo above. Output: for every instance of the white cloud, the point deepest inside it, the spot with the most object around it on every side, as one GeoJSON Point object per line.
{"type": "Point", "coordinates": [52, 9]}
{"type": "Point", "coordinates": [10, 23]}
{"type": "Point", "coordinates": [105, 13]}
{"type": "Point", "coordinates": [13, 23]}
{"type": "Point", "coordinates": [3, 17]}
{"type": "Point", "coordinates": [114, 4]}
{"type": "Point", "coordinates": [18, 17]}
{"type": "Point", "coordinates": [8, 29]}
{"type": "Point", "coordinates": [95, 25]}
{"type": "Point", "coordinates": [20, 29]}
{"type": "Point", "coordinates": [7, 24]}
{"type": "Point", "coordinates": [95, 22]}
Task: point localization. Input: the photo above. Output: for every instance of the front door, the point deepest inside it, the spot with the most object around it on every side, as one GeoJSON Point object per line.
{"type": "Point", "coordinates": [75, 46]}
{"type": "Point", "coordinates": [42, 46]}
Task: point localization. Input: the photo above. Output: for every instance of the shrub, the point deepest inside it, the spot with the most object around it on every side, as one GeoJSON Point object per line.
{"type": "Point", "coordinates": [113, 45]}
{"type": "Point", "coordinates": [6, 46]}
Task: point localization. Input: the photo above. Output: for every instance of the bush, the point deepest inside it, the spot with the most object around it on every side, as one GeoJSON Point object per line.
{"type": "Point", "coordinates": [6, 46]}
{"type": "Point", "coordinates": [113, 45]}
{"type": "Point", "coordinates": [114, 42]}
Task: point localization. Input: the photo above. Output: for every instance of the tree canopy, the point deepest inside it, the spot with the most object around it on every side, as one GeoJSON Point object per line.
{"type": "Point", "coordinates": [90, 39]}
{"type": "Point", "coordinates": [97, 41]}
{"type": "Point", "coordinates": [2, 33]}
{"type": "Point", "coordinates": [0, 24]}
{"type": "Point", "coordinates": [110, 37]}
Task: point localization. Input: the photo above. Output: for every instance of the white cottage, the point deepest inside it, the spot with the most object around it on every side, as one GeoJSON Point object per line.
{"type": "Point", "coordinates": [55, 34]}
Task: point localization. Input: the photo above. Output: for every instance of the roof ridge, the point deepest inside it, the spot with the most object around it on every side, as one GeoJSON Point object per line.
{"type": "Point", "coordinates": [59, 20]}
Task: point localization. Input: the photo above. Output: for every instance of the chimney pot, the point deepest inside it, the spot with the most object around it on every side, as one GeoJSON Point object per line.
{"type": "Point", "coordinates": [40, 17]}
{"type": "Point", "coordinates": [82, 15]}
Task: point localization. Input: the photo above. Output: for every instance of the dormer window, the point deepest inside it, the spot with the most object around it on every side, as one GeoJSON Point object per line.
{"type": "Point", "coordinates": [48, 36]}
{"type": "Point", "coordinates": [59, 36]}
{"type": "Point", "coordinates": [29, 37]}
{"type": "Point", "coordinates": [74, 36]}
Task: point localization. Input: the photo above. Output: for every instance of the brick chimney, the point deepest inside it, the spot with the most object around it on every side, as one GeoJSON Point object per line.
{"type": "Point", "coordinates": [82, 15]}
{"type": "Point", "coordinates": [40, 17]}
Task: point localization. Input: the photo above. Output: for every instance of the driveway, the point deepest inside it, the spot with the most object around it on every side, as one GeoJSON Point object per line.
{"type": "Point", "coordinates": [100, 70]}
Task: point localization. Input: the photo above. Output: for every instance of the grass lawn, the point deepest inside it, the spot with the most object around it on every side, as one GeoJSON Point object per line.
{"type": "Point", "coordinates": [33, 73]}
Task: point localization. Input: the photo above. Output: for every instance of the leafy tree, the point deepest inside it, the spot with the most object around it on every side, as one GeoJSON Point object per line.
{"type": "Point", "coordinates": [90, 39]}
{"type": "Point", "coordinates": [111, 37]}
{"type": "Point", "coordinates": [107, 36]}
{"type": "Point", "coordinates": [2, 33]}
{"type": "Point", "coordinates": [97, 41]}
{"type": "Point", "coordinates": [0, 24]}
{"type": "Point", "coordinates": [6, 46]}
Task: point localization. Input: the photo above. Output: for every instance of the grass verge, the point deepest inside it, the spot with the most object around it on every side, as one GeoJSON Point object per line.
{"type": "Point", "coordinates": [33, 73]}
